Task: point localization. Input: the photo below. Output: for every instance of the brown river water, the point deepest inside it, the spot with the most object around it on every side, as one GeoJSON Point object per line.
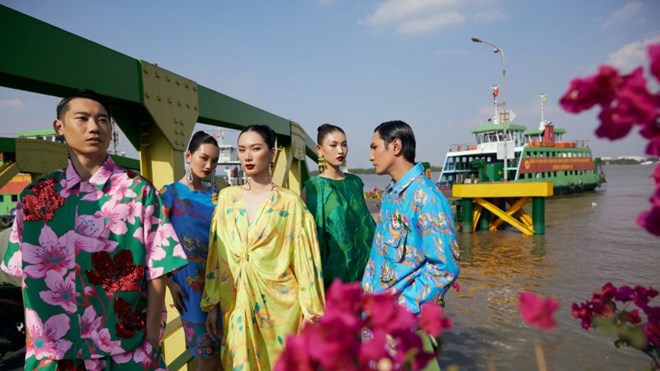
{"type": "Point", "coordinates": [590, 239]}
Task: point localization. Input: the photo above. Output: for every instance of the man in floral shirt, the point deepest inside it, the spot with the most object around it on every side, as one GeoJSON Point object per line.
{"type": "Point", "coordinates": [91, 245]}
{"type": "Point", "coordinates": [414, 254]}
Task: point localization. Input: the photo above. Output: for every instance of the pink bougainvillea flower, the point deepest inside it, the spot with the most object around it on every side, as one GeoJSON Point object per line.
{"type": "Point", "coordinates": [653, 148]}
{"type": "Point", "coordinates": [654, 55]}
{"type": "Point", "coordinates": [585, 93]}
{"type": "Point", "coordinates": [385, 313]}
{"type": "Point", "coordinates": [634, 317]}
{"type": "Point", "coordinates": [650, 220]}
{"type": "Point", "coordinates": [344, 304]}
{"type": "Point", "coordinates": [296, 356]}
{"type": "Point", "coordinates": [538, 311]}
{"type": "Point", "coordinates": [431, 319]}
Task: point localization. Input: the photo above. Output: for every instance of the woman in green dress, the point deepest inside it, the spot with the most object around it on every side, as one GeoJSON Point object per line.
{"type": "Point", "coordinates": [344, 225]}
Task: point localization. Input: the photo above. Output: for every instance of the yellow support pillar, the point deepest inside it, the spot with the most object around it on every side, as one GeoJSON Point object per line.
{"type": "Point", "coordinates": [172, 102]}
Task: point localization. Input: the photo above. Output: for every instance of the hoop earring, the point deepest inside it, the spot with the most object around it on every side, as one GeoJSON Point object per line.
{"type": "Point", "coordinates": [189, 174]}
{"type": "Point", "coordinates": [321, 163]}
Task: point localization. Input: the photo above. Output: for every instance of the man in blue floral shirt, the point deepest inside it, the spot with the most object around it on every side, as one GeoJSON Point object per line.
{"type": "Point", "coordinates": [414, 254]}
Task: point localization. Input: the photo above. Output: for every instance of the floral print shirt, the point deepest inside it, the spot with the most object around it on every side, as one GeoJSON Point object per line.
{"type": "Point", "coordinates": [415, 253]}
{"type": "Point", "coordinates": [85, 251]}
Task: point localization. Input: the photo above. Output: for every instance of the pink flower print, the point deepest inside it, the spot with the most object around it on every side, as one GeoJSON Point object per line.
{"type": "Point", "coordinates": [538, 311]}
{"type": "Point", "coordinates": [68, 187]}
{"type": "Point", "coordinates": [62, 291]}
{"type": "Point", "coordinates": [46, 338]}
{"type": "Point", "coordinates": [141, 355]}
{"type": "Point", "coordinates": [52, 254]}
{"type": "Point", "coordinates": [14, 235]}
{"type": "Point", "coordinates": [95, 364]}
{"type": "Point", "coordinates": [114, 216]}
{"type": "Point", "coordinates": [119, 188]}
{"type": "Point", "coordinates": [91, 225]}
{"type": "Point", "coordinates": [13, 266]}
{"type": "Point", "coordinates": [142, 233]}
{"type": "Point", "coordinates": [89, 322]}
{"type": "Point", "coordinates": [103, 340]}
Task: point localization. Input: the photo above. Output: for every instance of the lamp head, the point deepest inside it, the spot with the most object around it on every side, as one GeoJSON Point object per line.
{"type": "Point", "coordinates": [475, 39]}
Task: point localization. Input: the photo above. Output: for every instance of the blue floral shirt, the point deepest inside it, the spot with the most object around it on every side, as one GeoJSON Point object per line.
{"type": "Point", "coordinates": [414, 253]}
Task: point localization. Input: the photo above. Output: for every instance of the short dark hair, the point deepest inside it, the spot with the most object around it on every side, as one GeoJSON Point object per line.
{"type": "Point", "coordinates": [63, 106]}
{"type": "Point", "coordinates": [200, 138]}
{"type": "Point", "coordinates": [391, 130]}
{"type": "Point", "coordinates": [326, 129]}
{"type": "Point", "coordinates": [265, 131]}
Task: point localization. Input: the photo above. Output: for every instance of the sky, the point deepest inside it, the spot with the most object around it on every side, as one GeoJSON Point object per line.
{"type": "Point", "coordinates": [357, 64]}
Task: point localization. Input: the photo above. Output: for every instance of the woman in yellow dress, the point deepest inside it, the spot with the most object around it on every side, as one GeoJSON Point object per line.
{"type": "Point", "coordinates": [263, 271]}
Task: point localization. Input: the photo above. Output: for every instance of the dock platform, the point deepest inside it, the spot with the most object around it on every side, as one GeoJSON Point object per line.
{"type": "Point", "coordinates": [504, 201]}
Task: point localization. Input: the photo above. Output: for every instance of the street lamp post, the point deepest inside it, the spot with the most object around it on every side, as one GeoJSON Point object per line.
{"type": "Point", "coordinates": [496, 49]}
{"type": "Point", "coordinates": [504, 114]}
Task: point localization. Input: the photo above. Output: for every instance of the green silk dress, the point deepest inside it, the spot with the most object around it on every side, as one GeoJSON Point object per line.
{"type": "Point", "coordinates": [344, 226]}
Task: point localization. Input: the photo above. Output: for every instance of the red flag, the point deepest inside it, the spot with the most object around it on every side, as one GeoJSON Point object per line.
{"type": "Point", "coordinates": [496, 91]}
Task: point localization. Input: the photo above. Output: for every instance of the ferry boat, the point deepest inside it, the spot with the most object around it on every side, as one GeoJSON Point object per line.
{"type": "Point", "coordinates": [509, 152]}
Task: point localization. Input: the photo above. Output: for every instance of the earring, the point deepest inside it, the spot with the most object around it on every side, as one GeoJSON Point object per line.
{"type": "Point", "coordinates": [189, 174]}
{"type": "Point", "coordinates": [321, 163]}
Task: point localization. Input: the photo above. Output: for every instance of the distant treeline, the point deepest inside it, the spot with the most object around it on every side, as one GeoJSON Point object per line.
{"type": "Point", "coordinates": [629, 161]}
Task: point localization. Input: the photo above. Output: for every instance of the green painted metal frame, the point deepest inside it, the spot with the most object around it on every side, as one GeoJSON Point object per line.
{"type": "Point", "coordinates": [42, 58]}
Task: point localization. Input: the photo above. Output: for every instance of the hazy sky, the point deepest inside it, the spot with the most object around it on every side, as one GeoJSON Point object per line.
{"type": "Point", "coordinates": [359, 63]}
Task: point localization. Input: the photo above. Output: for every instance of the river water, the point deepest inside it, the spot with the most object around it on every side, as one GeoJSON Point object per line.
{"type": "Point", "coordinates": [590, 239]}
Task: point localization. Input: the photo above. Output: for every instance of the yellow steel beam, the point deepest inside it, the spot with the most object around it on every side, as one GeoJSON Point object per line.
{"type": "Point", "coordinates": [7, 172]}
{"type": "Point", "coordinates": [39, 157]}
{"type": "Point", "coordinates": [503, 215]}
{"type": "Point", "coordinates": [476, 214]}
{"type": "Point", "coordinates": [514, 211]}
{"type": "Point", "coordinates": [511, 189]}
{"type": "Point", "coordinates": [172, 102]}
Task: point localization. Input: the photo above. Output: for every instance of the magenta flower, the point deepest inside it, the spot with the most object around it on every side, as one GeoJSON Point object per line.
{"type": "Point", "coordinates": [585, 93]}
{"type": "Point", "coordinates": [625, 101]}
{"type": "Point", "coordinates": [432, 321]}
{"type": "Point", "coordinates": [654, 55]}
{"type": "Point", "coordinates": [359, 331]}
{"type": "Point", "coordinates": [538, 311]}
{"type": "Point", "coordinates": [650, 220]}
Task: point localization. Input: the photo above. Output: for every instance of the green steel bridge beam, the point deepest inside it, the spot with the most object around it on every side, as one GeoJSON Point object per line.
{"type": "Point", "coordinates": [155, 108]}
